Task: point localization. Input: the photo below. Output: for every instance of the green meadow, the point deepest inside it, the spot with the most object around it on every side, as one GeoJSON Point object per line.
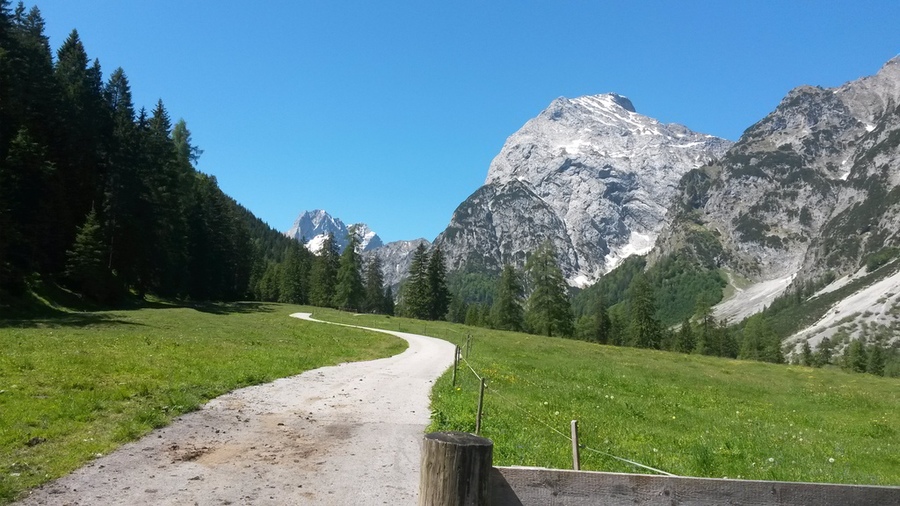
{"type": "Point", "coordinates": [684, 414]}
{"type": "Point", "coordinates": [75, 385]}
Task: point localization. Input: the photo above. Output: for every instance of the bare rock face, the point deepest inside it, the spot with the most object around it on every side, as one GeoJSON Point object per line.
{"type": "Point", "coordinates": [395, 258]}
{"type": "Point", "coordinates": [809, 188]}
{"type": "Point", "coordinates": [589, 174]}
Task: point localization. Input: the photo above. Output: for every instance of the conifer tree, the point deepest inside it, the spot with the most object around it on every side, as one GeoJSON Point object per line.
{"type": "Point", "coordinates": [438, 293]}
{"type": "Point", "coordinates": [706, 337]}
{"type": "Point", "coordinates": [806, 354]}
{"type": "Point", "coordinates": [508, 313]}
{"type": "Point", "coordinates": [876, 360]}
{"type": "Point", "coordinates": [374, 300]}
{"type": "Point", "coordinates": [855, 357]}
{"type": "Point", "coordinates": [349, 292]}
{"type": "Point", "coordinates": [730, 347]}
{"type": "Point", "coordinates": [388, 307]}
{"type": "Point", "coordinates": [458, 308]}
{"type": "Point", "coordinates": [83, 120]}
{"type": "Point", "coordinates": [86, 266]}
{"type": "Point", "coordinates": [269, 286]}
{"type": "Point", "coordinates": [295, 275]}
{"type": "Point", "coordinates": [23, 179]}
{"type": "Point", "coordinates": [416, 300]}
{"type": "Point", "coordinates": [602, 323]}
{"type": "Point", "coordinates": [547, 310]}
{"type": "Point", "coordinates": [323, 276]}
{"type": "Point", "coordinates": [644, 330]}
{"type": "Point", "coordinates": [824, 351]}
{"type": "Point", "coordinates": [684, 339]}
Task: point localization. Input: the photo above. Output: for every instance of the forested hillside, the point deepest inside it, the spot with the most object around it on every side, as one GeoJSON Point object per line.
{"type": "Point", "coordinates": [100, 195]}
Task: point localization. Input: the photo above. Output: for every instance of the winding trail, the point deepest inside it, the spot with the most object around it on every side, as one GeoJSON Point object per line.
{"type": "Point", "coordinates": [345, 434]}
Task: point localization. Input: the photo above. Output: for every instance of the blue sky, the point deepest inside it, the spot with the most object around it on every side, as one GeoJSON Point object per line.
{"type": "Point", "coordinates": [390, 112]}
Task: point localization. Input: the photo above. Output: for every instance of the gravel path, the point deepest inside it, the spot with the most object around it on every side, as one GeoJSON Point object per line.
{"type": "Point", "coordinates": [347, 434]}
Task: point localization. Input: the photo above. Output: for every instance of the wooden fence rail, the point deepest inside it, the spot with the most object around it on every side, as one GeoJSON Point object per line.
{"type": "Point", "coordinates": [454, 464]}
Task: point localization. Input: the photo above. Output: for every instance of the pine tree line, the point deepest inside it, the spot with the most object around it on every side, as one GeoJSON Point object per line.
{"type": "Point", "coordinates": [340, 280]}
{"type": "Point", "coordinates": [862, 355]}
{"type": "Point", "coordinates": [100, 196]}
{"type": "Point", "coordinates": [425, 294]}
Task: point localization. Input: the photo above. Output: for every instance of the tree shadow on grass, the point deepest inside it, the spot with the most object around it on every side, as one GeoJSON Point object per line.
{"type": "Point", "coordinates": [226, 308]}
{"type": "Point", "coordinates": [65, 319]}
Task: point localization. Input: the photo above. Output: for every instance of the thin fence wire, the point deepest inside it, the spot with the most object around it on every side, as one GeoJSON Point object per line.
{"type": "Point", "coordinates": [557, 431]}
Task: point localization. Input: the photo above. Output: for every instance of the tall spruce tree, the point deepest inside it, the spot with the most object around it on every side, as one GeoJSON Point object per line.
{"type": "Point", "coordinates": [876, 359]}
{"type": "Point", "coordinates": [759, 341]}
{"type": "Point", "coordinates": [295, 274]}
{"type": "Point", "coordinates": [438, 293]}
{"type": "Point", "coordinates": [388, 307]}
{"type": "Point", "coordinates": [684, 338]}
{"type": "Point", "coordinates": [86, 266]}
{"type": "Point", "coordinates": [644, 330]}
{"type": "Point", "coordinates": [547, 310]}
{"type": "Point", "coordinates": [856, 357]}
{"type": "Point", "coordinates": [374, 300]}
{"type": "Point", "coordinates": [416, 302]}
{"type": "Point", "coordinates": [602, 331]}
{"type": "Point", "coordinates": [349, 292]}
{"type": "Point", "coordinates": [508, 311]}
{"type": "Point", "coordinates": [323, 276]}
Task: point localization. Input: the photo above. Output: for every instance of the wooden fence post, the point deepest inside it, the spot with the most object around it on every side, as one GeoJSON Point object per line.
{"type": "Point", "coordinates": [576, 459]}
{"type": "Point", "coordinates": [480, 405]}
{"type": "Point", "coordinates": [455, 469]}
{"type": "Point", "coordinates": [455, 362]}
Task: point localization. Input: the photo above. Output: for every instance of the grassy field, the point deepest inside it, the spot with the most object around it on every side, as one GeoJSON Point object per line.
{"type": "Point", "coordinates": [75, 385]}
{"type": "Point", "coordinates": [687, 415]}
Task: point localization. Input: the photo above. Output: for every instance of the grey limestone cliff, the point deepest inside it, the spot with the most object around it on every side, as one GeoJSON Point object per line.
{"type": "Point", "coordinates": [589, 174]}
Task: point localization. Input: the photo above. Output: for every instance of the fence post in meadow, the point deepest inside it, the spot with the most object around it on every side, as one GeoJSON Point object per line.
{"type": "Point", "coordinates": [576, 458]}
{"type": "Point", "coordinates": [455, 362]}
{"type": "Point", "coordinates": [468, 345]}
{"type": "Point", "coordinates": [455, 469]}
{"type": "Point", "coordinates": [480, 406]}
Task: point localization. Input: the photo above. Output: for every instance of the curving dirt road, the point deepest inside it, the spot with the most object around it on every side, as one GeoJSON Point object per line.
{"type": "Point", "coordinates": [347, 434]}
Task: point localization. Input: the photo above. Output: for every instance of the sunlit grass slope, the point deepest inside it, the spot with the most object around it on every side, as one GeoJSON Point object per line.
{"type": "Point", "coordinates": [684, 414]}
{"type": "Point", "coordinates": [80, 384]}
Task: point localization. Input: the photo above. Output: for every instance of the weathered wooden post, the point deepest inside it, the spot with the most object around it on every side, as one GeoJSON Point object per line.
{"type": "Point", "coordinates": [455, 469]}
{"type": "Point", "coordinates": [455, 363]}
{"type": "Point", "coordinates": [576, 459]}
{"type": "Point", "coordinates": [480, 406]}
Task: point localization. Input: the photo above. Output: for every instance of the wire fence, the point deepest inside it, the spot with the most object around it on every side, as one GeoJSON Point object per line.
{"type": "Point", "coordinates": [494, 391]}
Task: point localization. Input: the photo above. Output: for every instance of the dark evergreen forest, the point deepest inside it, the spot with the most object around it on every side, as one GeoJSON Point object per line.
{"type": "Point", "coordinates": [102, 197]}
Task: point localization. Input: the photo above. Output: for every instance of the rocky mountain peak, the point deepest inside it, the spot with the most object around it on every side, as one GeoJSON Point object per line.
{"type": "Point", "coordinates": [588, 173]}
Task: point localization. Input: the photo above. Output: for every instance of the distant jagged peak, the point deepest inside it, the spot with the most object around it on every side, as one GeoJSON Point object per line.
{"type": "Point", "coordinates": [312, 227]}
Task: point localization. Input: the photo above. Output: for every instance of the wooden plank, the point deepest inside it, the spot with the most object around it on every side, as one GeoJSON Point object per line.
{"type": "Point", "coordinates": [511, 486]}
